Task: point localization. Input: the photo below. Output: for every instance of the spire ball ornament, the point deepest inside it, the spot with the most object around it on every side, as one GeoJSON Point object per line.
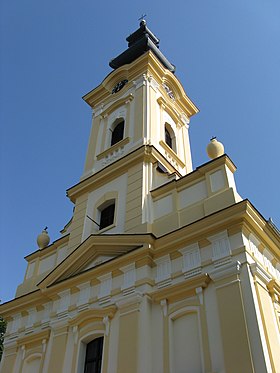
{"type": "Point", "coordinates": [215, 148]}
{"type": "Point", "coordinates": [43, 239]}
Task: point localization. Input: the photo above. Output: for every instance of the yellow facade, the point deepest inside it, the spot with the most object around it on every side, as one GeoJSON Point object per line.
{"type": "Point", "coordinates": [185, 277]}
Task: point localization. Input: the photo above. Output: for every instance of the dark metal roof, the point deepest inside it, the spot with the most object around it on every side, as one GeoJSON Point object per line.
{"type": "Point", "coordinates": [141, 41]}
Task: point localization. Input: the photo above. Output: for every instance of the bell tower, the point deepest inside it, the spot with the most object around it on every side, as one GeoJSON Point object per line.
{"type": "Point", "coordinates": [139, 139]}
{"type": "Point", "coordinates": [144, 94]}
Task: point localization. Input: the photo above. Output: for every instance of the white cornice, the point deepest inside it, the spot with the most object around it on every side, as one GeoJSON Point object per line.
{"type": "Point", "coordinates": [225, 271]}
{"type": "Point", "coordinates": [130, 300]}
{"type": "Point", "coordinates": [259, 273]}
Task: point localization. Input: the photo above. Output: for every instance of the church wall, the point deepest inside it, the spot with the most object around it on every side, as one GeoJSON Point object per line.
{"type": "Point", "coordinates": [128, 341]}
{"type": "Point", "coordinates": [192, 200]}
{"type": "Point", "coordinates": [154, 123]}
{"type": "Point", "coordinates": [115, 189]}
{"type": "Point", "coordinates": [145, 350]}
{"type": "Point", "coordinates": [233, 324]}
{"type": "Point", "coordinates": [216, 351]}
{"type": "Point", "coordinates": [113, 343]}
{"type": "Point", "coordinates": [138, 115]}
{"type": "Point", "coordinates": [186, 145]}
{"type": "Point", "coordinates": [93, 141]}
{"type": "Point", "coordinates": [184, 332]}
{"type": "Point", "coordinates": [268, 316]}
{"type": "Point", "coordinates": [254, 322]}
{"type": "Point", "coordinates": [134, 197]}
{"type": "Point", "coordinates": [9, 358]}
{"type": "Point", "coordinates": [157, 339]}
{"type": "Point", "coordinates": [77, 224]}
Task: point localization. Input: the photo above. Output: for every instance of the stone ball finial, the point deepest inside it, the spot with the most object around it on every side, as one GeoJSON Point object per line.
{"type": "Point", "coordinates": [143, 23]}
{"type": "Point", "coordinates": [43, 239]}
{"type": "Point", "coordinates": [215, 148]}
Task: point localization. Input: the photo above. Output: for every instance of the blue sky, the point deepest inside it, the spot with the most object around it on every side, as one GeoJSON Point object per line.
{"type": "Point", "coordinates": [227, 57]}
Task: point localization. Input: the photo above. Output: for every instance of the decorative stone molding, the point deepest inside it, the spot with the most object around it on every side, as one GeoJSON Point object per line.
{"type": "Point", "coordinates": [191, 260]}
{"type": "Point", "coordinates": [36, 338]}
{"type": "Point", "coordinates": [44, 345]}
{"type": "Point", "coordinates": [32, 312]}
{"type": "Point", "coordinates": [131, 303]}
{"type": "Point", "coordinates": [153, 83]}
{"type": "Point", "coordinates": [106, 322]}
{"type": "Point", "coordinates": [259, 274]}
{"type": "Point", "coordinates": [16, 324]}
{"type": "Point", "coordinates": [169, 91]}
{"type": "Point", "coordinates": [182, 290]}
{"type": "Point", "coordinates": [171, 155]}
{"type": "Point", "coordinates": [163, 276]}
{"type": "Point", "coordinates": [75, 331]}
{"type": "Point", "coordinates": [253, 247]}
{"type": "Point", "coordinates": [141, 81]}
{"type": "Point", "coordinates": [225, 271]}
{"type": "Point", "coordinates": [23, 352]}
{"type": "Point", "coordinates": [63, 303]}
{"type": "Point", "coordinates": [114, 152]}
{"type": "Point", "coordinates": [9, 343]}
{"type": "Point", "coordinates": [84, 295]}
{"type": "Point", "coordinates": [129, 278]}
{"type": "Point", "coordinates": [46, 315]}
{"type": "Point", "coordinates": [199, 292]}
{"type": "Point", "coordinates": [185, 120]}
{"type": "Point", "coordinates": [99, 109]}
{"type": "Point", "coordinates": [104, 294]}
{"type": "Point", "coordinates": [59, 324]}
{"type": "Point", "coordinates": [263, 256]}
{"type": "Point", "coordinates": [145, 79]}
{"type": "Point", "coordinates": [274, 290]}
{"type": "Point", "coordinates": [221, 251]}
{"type": "Point", "coordinates": [113, 155]}
{"type": "Point", "coordinates": [164, 307]}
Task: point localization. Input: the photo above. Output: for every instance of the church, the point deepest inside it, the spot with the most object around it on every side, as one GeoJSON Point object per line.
{"type": "Point", "coordinates": [162, 268]}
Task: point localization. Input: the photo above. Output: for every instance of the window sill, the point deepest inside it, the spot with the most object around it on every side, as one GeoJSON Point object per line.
{"type": "Point", "coordinates": [172, 154]}
{"type": "Point", "coordinates": [113, 148]}
{"type": "Point", "coordinates": [106, 228]}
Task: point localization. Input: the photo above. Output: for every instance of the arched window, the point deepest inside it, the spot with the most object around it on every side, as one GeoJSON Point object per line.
{"type": "Point", "coordinates": [93, 359]}
{"type": "Point", "coordinates": [170, 139]}
{"type": "Point", "coordinates": [118, 131]}
{"type": "Point", "coordinates": [107, 214]}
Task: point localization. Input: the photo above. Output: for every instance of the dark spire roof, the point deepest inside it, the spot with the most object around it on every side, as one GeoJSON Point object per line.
{"type": "Point", "coordinates": [141, 41]}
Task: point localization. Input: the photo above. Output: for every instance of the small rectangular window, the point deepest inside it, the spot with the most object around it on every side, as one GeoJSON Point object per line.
{"type": "Point", "coordinates": [107, 216]}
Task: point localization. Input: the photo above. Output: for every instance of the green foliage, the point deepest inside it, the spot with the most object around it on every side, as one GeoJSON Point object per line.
{"type": "Point", "coordinates": [3, 325]}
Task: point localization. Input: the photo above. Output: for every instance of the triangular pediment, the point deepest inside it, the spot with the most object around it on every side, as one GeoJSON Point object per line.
{"type": "Point", "coordinates": [98, 260]}
{"type": "Point", "coordinates": [95, 251]}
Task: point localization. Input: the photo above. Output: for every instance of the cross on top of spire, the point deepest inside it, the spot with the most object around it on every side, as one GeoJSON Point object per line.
{"type": "Point", "coordinates": [142, 17]}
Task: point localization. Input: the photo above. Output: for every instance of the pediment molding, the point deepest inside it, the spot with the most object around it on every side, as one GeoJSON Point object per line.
{"type": "Point", "coordinates": [79, 261]}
